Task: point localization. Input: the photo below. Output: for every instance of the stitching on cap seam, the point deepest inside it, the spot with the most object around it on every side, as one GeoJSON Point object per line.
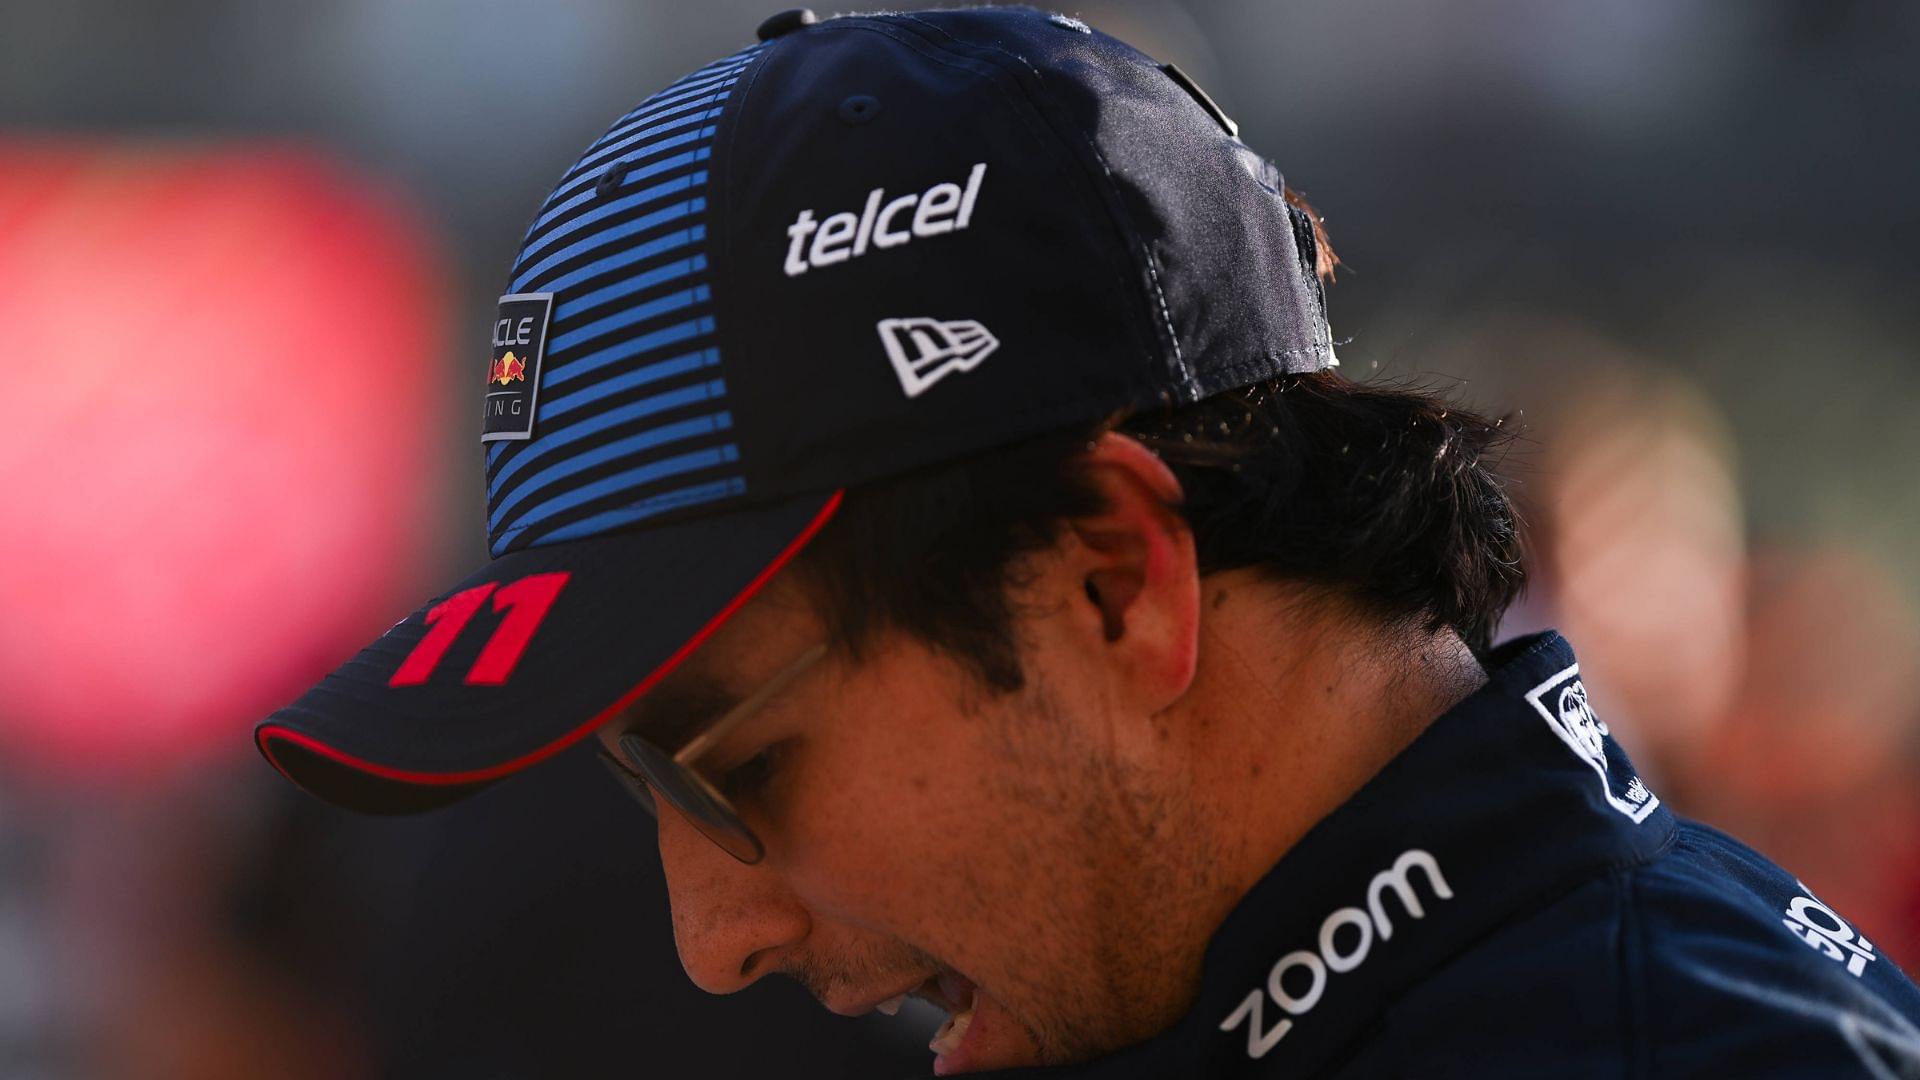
{"type": "Point", "coordinates": [1184, 373]}
{"type": "Point", "coordinates": [720, 203]}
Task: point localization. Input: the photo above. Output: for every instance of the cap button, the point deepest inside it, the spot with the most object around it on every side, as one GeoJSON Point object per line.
{"type": "Point", "coordinates": [786, 22]}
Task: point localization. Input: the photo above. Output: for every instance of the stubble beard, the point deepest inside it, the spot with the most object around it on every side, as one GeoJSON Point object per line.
{"type": "Point", "coordinates": [1122, 962]}
{"type": "Point", "coordinates": [1088, 894]}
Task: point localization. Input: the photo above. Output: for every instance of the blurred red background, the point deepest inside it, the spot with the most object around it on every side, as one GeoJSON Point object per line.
{"type": "Point", "coordinates": [225, 377]}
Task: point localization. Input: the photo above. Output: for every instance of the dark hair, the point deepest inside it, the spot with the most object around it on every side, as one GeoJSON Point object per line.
{"type": "Point", "coordinates": [1386, 496]}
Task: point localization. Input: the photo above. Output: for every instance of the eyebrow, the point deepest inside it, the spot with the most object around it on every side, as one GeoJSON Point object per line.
{"type": "Point", "coordinates": [678, 709]}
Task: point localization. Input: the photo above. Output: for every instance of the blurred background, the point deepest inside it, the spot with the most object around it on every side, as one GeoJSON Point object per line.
{"type": "Point", "coordinates": [249, 250]}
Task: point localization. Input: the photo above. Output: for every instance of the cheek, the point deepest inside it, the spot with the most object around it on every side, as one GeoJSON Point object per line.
{"type": "Point", "coordinates": [900, 825]}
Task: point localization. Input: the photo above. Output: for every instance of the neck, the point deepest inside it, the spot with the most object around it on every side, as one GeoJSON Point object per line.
{"type": "Point", "coordinates": [1297, 703]}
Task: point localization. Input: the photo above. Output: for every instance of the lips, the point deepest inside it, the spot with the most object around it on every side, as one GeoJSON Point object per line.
{"type": "Point", "coordinates": [948, 991]}
{"type": "Point", "coordinates": [955, 994]}
{"type": "Point", "coordinates": [861, 1007]}
{"type": "Point", "coordinates": [977, 1033]}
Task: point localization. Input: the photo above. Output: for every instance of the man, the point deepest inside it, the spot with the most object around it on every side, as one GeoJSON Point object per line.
{"type": "Point", "coordinates": [914, 458]}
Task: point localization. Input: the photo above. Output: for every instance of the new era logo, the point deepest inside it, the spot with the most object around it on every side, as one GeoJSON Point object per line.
{"type": "Point", "coordinates": [924, 351]}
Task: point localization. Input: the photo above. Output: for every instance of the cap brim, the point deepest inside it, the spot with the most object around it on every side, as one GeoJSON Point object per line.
{"type": "Point", "coordinates": [458, 694]}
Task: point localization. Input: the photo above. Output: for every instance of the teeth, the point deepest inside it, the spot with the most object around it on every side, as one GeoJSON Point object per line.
{"type": "Point", "coordinates": [948, 1038]}
{"type": "Point", "coordinates": [891, 1006]}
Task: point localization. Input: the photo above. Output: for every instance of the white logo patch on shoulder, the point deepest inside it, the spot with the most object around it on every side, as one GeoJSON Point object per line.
{"type": "Point", "coordinates": [924, 351]}
{"type": "Point", "coordinates": [1562, 702]}
{"type": "Point", "coordinates": [1827, 933]}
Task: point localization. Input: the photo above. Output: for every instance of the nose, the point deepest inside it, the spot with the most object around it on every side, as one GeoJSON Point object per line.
{"type": "Point", "coordinates": [732, 923]}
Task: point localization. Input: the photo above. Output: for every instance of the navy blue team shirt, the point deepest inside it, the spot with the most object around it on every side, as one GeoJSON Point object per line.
{"type": "Point", "coordinates": [1507, 898]}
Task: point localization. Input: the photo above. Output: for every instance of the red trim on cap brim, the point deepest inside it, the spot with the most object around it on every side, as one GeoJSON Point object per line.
{"type": "Point", "coordinates": [494, 772]}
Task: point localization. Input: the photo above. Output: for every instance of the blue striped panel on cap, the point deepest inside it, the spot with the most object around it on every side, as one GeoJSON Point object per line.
{"type": "Point", "coordinates": [633, 419]}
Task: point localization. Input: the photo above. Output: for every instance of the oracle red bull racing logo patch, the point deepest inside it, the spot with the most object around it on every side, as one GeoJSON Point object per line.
{"type": "Point", "coordinates": [513, 368]}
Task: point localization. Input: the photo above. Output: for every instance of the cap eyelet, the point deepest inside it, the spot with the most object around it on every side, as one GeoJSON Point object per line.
{"type": "Point", "coordinates": [859, 108]}
{"type": "Point", "coordinates": [610, 180]}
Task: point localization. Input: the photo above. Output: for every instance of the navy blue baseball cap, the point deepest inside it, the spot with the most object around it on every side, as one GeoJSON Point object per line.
{"type": "Point", "coordinates": [860, 246]}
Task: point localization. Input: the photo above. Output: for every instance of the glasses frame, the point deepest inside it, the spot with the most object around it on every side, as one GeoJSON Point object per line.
{"type": "Point", "coordinates": [675, 776]}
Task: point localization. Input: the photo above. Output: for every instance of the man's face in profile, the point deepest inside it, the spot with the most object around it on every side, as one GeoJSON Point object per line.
{"type": "Point", "coordinates": [1002, 854]}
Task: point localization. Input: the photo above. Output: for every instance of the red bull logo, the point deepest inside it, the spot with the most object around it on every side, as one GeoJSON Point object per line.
{"type": "Point", "coordinates": [507, 369]}
{"type": "Point", "coordinates": [513, 375]}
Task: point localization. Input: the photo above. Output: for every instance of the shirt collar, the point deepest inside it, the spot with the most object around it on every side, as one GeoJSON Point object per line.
{"type": "Point", "coordinates": [1512, 796]}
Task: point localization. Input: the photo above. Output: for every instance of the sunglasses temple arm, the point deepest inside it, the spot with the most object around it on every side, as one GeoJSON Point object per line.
{"type": "Point", "coordinates": [717, 730]}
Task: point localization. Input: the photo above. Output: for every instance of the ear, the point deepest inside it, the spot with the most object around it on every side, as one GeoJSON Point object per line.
{"type": "Point", "coordinates": [1139, 576]}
